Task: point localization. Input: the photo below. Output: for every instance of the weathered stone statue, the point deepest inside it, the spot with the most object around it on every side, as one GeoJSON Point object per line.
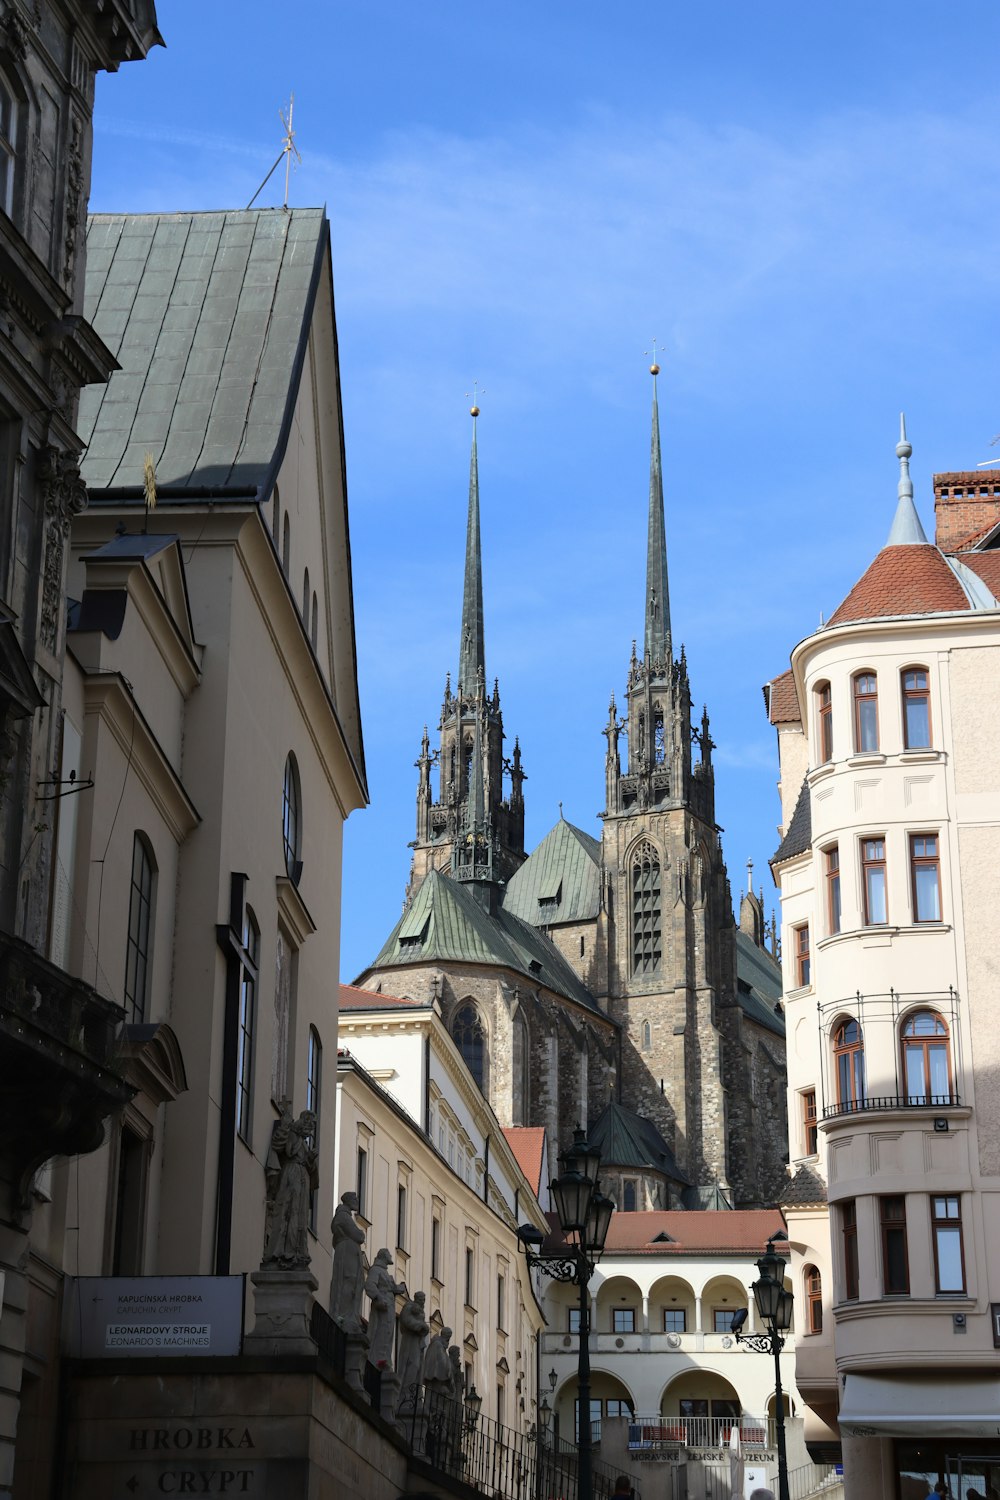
{"type": "Point", "coordinates": [382, 1317]}
{"type": "Point", "coordinates": [436, 1373]}
{"type": "Point", "coordinates": [291, 1174]}
{"type": "Point", "coordinates": [413, 1331]}
{"type": "Point", "coordinates": [457, 1375]}
{"type": "Point", "coordinates": [348, 1279]}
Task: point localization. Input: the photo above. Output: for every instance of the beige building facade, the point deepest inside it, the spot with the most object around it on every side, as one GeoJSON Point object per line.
{"type": "Point", "coordinates": [888, 723]}
{"type": "Point", "coordinates": [444, 1188]}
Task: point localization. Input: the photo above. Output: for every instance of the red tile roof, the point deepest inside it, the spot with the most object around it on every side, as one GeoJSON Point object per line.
{"type": "Point", "coordinates": [907, 580]}
{"type": "Point", "coordinates": [782, 700]}
{"type": "Point", "coordinates": [354, 998]}
{"type": "Point", "coordinates": [528, 1145]}
{"type": "Point", "coordinates": [721, 1232]}
{"type": "Point", "coordinates": [986, 565]}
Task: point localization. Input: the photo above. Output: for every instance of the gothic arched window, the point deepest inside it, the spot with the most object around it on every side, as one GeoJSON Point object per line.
{"type": "Point", "coordinates": [470, 1039]}
{"type": "Point", "coordinates": [659, 737]}
{"type": "Point", "coordinates": [519, 1072]}
{"type": "Point", "coordinates": [646, 942]}
{"type": "Point", "coordinates": [647, 1037]}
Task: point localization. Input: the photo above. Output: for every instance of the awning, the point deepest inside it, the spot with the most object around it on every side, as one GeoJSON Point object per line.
{"type": "Point", "coordinates": [941, 1405]}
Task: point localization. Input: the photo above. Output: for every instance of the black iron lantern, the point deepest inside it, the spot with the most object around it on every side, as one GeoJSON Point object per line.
{"type": "Point", "coordinates": [473, 1405]}
{"type": "Point", "coordinates": [581, 1157]}
{"type": "Point", "coordinates": [572, 1192]}
{"type": "Point", "coordinates": [544, 1414]}
{"type": "Point", "coordinates": [598, 1221]}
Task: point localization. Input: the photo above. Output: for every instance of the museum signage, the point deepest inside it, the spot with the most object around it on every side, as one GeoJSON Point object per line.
{"type": "Point", "coordinates": [119, 1317]}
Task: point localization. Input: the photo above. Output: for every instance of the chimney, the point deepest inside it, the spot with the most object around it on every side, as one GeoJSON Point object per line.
{"type": "Point", "coordinates": [965, 505]}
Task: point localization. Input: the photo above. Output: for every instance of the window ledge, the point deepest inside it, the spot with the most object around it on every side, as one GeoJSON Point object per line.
{"type": "Point", "coordinates": [819, 772]}
{"type": "Point", "coordinates": [866, 758]}
{"type": "Point", "coordinates": [908, 757]}
{"type": "Point", "coordinates": [799, 991]}
{"type": "Point", "coordinates": [870, 935]}
{"type": "Point", "coordinates": [892, 1306]}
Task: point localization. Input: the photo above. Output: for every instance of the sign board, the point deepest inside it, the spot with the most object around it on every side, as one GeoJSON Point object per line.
{"type": "Point", "coordinates": [124, 1317]}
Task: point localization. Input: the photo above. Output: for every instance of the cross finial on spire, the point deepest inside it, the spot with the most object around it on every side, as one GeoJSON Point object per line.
{"type": "Point", "coordinates": [750, 877]}
{"type": "Point", "coordinates": [474, 396]}
{"type": "Point", "coordinates": [650, 353]}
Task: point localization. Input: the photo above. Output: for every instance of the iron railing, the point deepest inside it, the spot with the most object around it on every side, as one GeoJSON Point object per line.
{"type": "Point", "coordinates": [890, 1101]}
{"type": "Point", "coordinates": [493, 1459]}
{"type": "Point", "coordinates": [700, 1432]}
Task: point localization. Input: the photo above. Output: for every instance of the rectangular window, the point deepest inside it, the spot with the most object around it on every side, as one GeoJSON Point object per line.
{"type": "Point", "coordinates": [314, 1075]}
{"type": "Point", "coordinates": [573, 1320]}
{"type": "Point", "coordinates": [500, 1405]}
{"type": "Point", "coordinates": [809, 1125]}
{"type": "Point", "coordinates": [916, 710]}
{"type": "Point", "coordinates": [831, 859]}
{"type": "Point", "coordinates": [401, 1217]}
{"type": "Point", "coordinates": [814, 1300]}
{"type": "Point", "coordinates": [895, 1267]}
{"type": "Point", "coordinates": [873, 882]}
{"type": "Point", "coordinates": [925, 877]}
{"type": "Point", "coordinates": [501, 1299]}
{"type": "Point", "coordinates": [596, 1411]}
{"type": "Point", "coordinates": [803, 967]}
{"type": "Point", "coordinates": [469, 1273]}
{"type": "Point", "coordinates": [849, 1221]}
{"type": "Point", "coordinates": [674, 1320]}
{"type": "Point", "coordinates": [949, 1258]}
{"type": "Point", "coordinates": [866, 712]}
{"type": "Point", "coordinates": [623, 1320]}
{"type": "Point", "coordinates": [139, 922]}
{"type": "Point", "coordinates": [362, 1187]}
{"type": "Point", "coordinates": [435, 1249]}
{"type": "Point", "coordinates": [617, 1408]}
{"type": "Point", "coordinates": [722, 1318]}
{"type": "Point", "coordinates": [247, 1025]}
{"type": "Point", "coordinates": [824, 705]}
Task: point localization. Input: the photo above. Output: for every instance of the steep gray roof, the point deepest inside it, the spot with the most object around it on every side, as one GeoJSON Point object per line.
{"type": "Point", "coordinates": [208, 315]}
{"type": "Point", "coordinates": [626, 1139]}
{"type": "Point", "coordinates": [798, 834]}
{"type": "Point", "coordinates": [758, 984]}
{"type": "Point", "coordinates": [560, 881]}
{"type": "Point", "coordinates": [445, 923]}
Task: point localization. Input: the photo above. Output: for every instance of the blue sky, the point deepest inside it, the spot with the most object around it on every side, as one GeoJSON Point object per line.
{"type": "Point", "coordinates": [800, 201]}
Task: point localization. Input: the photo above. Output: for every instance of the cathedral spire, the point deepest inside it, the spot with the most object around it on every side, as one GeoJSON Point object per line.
{"type": "Point", "coordinates": [657, 636]}
{"type": "Point", "coordinates": [472, 656]}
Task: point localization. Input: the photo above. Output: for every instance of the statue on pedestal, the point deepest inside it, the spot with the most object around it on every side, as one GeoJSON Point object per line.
{"type": "Point", "coordinates": [383, 1292]}
{"type": "Point", "coordinates": [348, 1279]}
{"type": "Point", "coordinates": [291, 1174]}
{"type": "Point", "coordinates": [413, 1330]}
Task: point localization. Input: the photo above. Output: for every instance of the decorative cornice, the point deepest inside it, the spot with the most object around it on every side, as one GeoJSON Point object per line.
{"type": "Point", "coordinates": [294, 910]}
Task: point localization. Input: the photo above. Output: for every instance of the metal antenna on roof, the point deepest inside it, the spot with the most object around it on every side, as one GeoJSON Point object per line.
{"type": "Point", "coordinates": [288, 149]}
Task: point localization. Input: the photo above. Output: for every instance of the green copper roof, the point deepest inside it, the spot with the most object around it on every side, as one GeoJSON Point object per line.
{"type": "Point", "coordinates": [657, 637]}
{"type": "Point", "coordinates": [472, 651]}
{"type": "Point", "coordinates": [626, 1139]}
{"type": "Point", "coordinates": [208, 315]}
{"type": "Point", "coordinates": [560, 881]}
{"type": "Point", "coordinates": [758, 984]}
{"type": "Point", "coordinates": [445, 923]}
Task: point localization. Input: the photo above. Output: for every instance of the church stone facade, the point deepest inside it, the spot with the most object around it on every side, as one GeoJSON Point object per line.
{"type": "Point", "coordinates": [600, 980]}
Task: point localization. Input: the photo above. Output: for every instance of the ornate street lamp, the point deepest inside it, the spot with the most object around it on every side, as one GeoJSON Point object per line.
{"type": "Point", "coordinates": [774, 1305]}
{"type": "Point", "coordinates": [584, 1218]}
{"type": "Point", "coordinates": [473, 1406]}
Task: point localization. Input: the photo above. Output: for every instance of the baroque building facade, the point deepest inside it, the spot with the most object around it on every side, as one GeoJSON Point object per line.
{"type": "Point", "coordinates": [599, 979]}
{"type": "Point", "coordinates": [60, 1073]}
{"type": "Point", "coordinates": [888, 722]}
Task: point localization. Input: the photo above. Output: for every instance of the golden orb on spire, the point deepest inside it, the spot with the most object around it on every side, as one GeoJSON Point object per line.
{"type": "Point", "coordinates": [654, 369]}
{"type": "Point", "coordinates": [473, 411]}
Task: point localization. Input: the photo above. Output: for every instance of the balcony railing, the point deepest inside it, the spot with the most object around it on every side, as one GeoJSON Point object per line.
{"type": "Point", "coordinates": [890, 1101]}
{"type": "Point", "coordinates": [700, 1432]}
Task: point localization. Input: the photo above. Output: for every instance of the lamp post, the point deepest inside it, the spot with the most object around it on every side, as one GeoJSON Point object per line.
{"type": "Point", "coordinates": [584, 1218]}
{"type": "Point", "coordinates": [774, 1305]}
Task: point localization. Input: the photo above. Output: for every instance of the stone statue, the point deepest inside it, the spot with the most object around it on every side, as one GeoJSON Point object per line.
{"type": "Point", "coordinates": [382, 1318]}
{"type": "Point", "coordinates": [436, 1373]}
{"type": "Point", "coordinates": [413, 1331]}
{"type": "Point", "coordinates": [291, 1174]}
{"type": "Point", "coordinates": [348, 1279]}
{"type": "Point", "coordinates": [457, 1374]}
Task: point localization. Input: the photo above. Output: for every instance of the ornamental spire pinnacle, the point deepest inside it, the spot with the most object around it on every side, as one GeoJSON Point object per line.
{"type": "Point", "coordinates": [656, 649]}
{"type": "Point", "coordinates": [472, 656]}
{"type": "Point", "coordinates": [906, 528]}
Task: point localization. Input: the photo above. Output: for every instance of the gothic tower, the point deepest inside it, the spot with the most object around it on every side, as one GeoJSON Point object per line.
{"type": "Point", "coordinates": [670, 944]}
{"type": "Point", "coordinates": [470, 831]}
